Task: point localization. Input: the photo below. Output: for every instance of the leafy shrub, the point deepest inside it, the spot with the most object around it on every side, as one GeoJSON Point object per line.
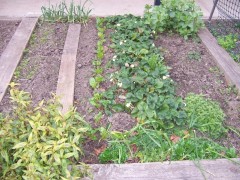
{"type": "Point", "coordinates": [63, 13]}
{"type": "Point", "coordinates": [182, 16]}
{"type": "Point", "coordinates": [204, 115]}
{"type": "Point", "coordinates": [40, 142]}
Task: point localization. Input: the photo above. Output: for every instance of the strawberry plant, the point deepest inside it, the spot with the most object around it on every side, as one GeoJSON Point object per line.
{"type": "Point", "coordinates": [182, 16]}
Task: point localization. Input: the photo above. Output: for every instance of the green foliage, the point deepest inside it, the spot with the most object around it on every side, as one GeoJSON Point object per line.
{"type": "Point", "coordinates": [40, 142]}
{"type": "Point", "coordinates": [142, 74]}
{"type": "Point", "coordinates": [198, 148]}
{"type": "Point", "coordinates": [204, 115]}
{"type": "Point", "coordinates": [194, 55]}
{"type": "Point", "coordinates": [63, 12]}
{"type": "Point", "coordinates": [182, 16]}
{"type": "Point", "coordinates": [116, 153]}
{"type": "Point", "coordinates": [228, 42]}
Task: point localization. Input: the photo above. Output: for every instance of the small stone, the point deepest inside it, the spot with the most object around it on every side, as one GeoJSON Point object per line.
{"type": "Point", "coordinates": [79, 65]}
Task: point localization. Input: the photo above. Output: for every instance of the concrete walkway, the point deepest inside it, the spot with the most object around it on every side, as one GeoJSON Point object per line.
{"type": "Point", "coordinates": [21, 8]}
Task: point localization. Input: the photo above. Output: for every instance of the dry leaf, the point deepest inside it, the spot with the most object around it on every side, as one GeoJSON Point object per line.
{"type": "Point", "coordinates": [100, 150]}
{"type": "Point", "coordinates": [174, 138]}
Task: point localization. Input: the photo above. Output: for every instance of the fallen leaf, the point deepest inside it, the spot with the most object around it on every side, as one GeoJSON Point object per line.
{"type": "Point", "coordinates": [100, 150]}
{"type": "Point", "coordinates": [185, 132]}
{"type": "Point", "coordinates": [174, 138]}
{"type": "Point", "coordinates": [134, 148]}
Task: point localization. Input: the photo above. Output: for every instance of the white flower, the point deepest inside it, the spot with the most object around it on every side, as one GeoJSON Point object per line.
{"type": "Point", "coordinates": [165, 77]}
{"type": "Point", "coordinates": [132, 66]}
{"type": "Point", "coordinates": [128, 105]}
{"type": "Point", "coordinates": [153, 32]}
{"type": "Point", "coordinates": [118, 24]}
{"type": "Point", "coordinates": [126, 64]}
{"type": "Point", "coordinates": [114, 58]}
{"type": "Point", "coordinates": [123, 52]}
{"type": "Point", "coordinates": [122, 97]}
{"type": "Point", "coordinates": [111, 80]}
{"type": "Point", "coordinates": [119, 84]}
{"type": "Point", "coordinates": [153, 45]}
{"type": "Point", "coordinates": [135, 22]}
{"type": "Point", "coordinates": [111, 75]}
{"type": "Point", "coordinates": [121, 43]}
{"type": "Point", "coordinates": [184, 104]}
{"type": "Point", "coordinates": [125, 41]}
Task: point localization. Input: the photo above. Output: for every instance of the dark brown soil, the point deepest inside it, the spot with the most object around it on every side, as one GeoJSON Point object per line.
{"type": "Point", "coordinates": [38, 70]}
{"type": "Point", "coordinates": [7, 29]}
{"type": "Point", "coordinates": [201, 76]}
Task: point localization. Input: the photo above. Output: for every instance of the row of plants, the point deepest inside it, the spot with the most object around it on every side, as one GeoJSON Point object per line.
{"type": "Point", "coordinates": [168, 127]}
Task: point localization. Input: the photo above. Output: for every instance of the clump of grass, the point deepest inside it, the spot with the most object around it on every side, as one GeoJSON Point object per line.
{"type": "Point", "coordinates": [205, 115]}
{"type": "Point", "coordinates": [63, 12]}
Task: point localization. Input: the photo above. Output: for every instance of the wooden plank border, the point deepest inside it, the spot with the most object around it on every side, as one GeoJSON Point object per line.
{"type": "Point", "coordinates": [12, 55]}
{"type": "Point", "coordinates": [220, 169]}
{"type": "Point", "coordinates": [225, 62]}
{"type": "Point", "coordinates": [66, 78]}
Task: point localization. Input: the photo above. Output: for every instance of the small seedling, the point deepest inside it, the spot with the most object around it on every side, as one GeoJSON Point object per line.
{"type": "Point", "coordinates": [194, 55]}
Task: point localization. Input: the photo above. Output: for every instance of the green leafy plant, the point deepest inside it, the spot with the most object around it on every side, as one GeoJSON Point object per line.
{"type": "Point", "coordinates": [40, 142]}
{"type": "Point", "coordinates": [116, 153]}
{"type": "Point", "coordinates": [194, 55]}
{"type": "Point", "coordinates": [228, 42]}
{"type": "Point", "coordinates": [204, 115]}
{"type": "Point", "coordinates": [63, 12]}
{"type": "Point", "coordinates": [182, 16]}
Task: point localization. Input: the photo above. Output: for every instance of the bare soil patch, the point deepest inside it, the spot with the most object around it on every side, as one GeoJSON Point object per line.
{"type": "Point", "coordinates": [201, 76]}
{"type": "Point", "coordinates": [39, 68]}
{"type": "Point", "coordinates": [7, 29]}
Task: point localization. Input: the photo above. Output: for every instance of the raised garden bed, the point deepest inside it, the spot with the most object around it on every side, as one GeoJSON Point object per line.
{"type": "Point", "coordinates": [38, 70]}
{"type": "Point", "coordinates": [7, 29]}
{"type": "Point", "coordinates": [140, 96]}
{"type": "Point", "coordinates": [192, 69]}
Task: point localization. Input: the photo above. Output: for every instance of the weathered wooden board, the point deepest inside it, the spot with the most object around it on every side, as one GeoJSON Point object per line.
{"type": "Point", "coordinates": [221, 169]}
{"type": "Point", "coordinates": [225, 62]}
{"type": "Point", "coordinates": [66, 79]}
{"type": "Point", "coordinates": [12, 55]}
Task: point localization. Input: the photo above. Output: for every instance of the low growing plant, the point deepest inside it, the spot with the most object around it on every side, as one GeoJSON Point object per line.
{"type": "Point", "coordinates": [204, 115]}
{"type": "Point", "coordinates": [182, 16]}
{"type": "Point", "coordinates": [40, 142]}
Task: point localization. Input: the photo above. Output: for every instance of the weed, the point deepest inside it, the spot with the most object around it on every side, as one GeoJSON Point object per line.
{"type": "Point", "coordinates": [194, 55]}
{"type": "Point", "coordinates": [205, 115]}
{"type": "Point", "coordinates": [228, 42]}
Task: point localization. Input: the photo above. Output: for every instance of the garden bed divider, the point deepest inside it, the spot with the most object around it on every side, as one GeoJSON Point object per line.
{"type": "Point", "coordinates": [220, 169]}
{"type": "Point", "coordinates": [12, 55]}
{"type": "Point", "coordinates": [225, 62]}
{"type": "Point", "coordinates": [66, 78]}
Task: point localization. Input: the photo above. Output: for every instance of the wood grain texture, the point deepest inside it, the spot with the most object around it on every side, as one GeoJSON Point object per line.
{"type": "Point", "coordinates": [66, 79]}
{"type": "Point", "coordinates": [225, 62]}
{"type": "Point", "coordinates": [221, 169]}
{"type": "Point", "coordinates": [12, 55]}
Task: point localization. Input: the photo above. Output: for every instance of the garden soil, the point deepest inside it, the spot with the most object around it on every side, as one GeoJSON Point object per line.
{"type": "Point", "coordinates": [38, 70]}
{"type": "Point", "coordinates": [7, 29]}
{"type": "Point", "coordinates": [201, 76]}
